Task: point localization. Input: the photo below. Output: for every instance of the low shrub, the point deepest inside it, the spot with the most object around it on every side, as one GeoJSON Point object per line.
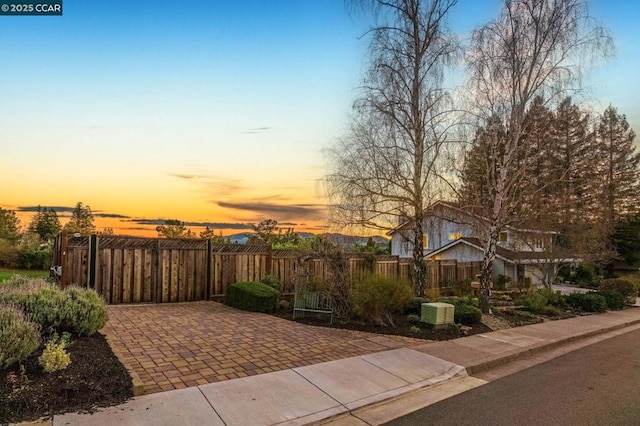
{"type": "Point", "coordinates": [551, 311]}
{"type": "Point", "coordinates": [625, 287]}
{"type": "Point", "coordinates": [84, 311]}
{"type": "Point", "coordinates": [587, 302]}
{"type": "Point", "coordinates": [553, 297]}
{"type": "Point", "coordinates": [461, 287]}
{"type": "Point", "coordinates": [17, 288]}
{"type": "Point", "coordinates": [533, 302]}
{"type": "Point", "coordinates": [414, 306]}
{"type": "Point", "coordinates": [251, 296]}
{"type": "Point", "coordinates": [585, 275]}
{"type": "Point", "coordinates": [415, 330]}
{"type": "Point", "coordinates": [467, 300]}
{"type": "Point", "coordinates": [376, 298]}
{"type": "Point", "coordinates": [19, 337]}
{"type": "Point", "coordinates": [273, 282]}
{"type": "Point", "coordinates": [55, 356]}
{"type": "Point", "coordinates": [615, 300]}
{"type": "Point", "coordinates": [467, 314]}
{"type": "Point", "coordinates": [502, 282]}
{"type": "Point", "coordinates": [74, 309]}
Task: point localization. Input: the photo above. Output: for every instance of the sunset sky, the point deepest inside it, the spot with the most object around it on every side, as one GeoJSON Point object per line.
{"type": "Point", "coordinates": [211, 112]}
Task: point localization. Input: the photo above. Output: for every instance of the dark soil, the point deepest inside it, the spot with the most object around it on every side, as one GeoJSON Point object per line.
{"type": "Point", "coordinates": [402, 327]}
{"type": "Point", "coordinates": [95, 378]}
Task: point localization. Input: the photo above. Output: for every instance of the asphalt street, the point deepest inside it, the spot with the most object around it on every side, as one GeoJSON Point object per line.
{"type": "Point", "coordinates": [596, 385]}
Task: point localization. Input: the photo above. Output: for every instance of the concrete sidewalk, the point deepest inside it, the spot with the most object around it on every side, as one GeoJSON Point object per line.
{"type": "Point", "coordinates": [319, 392]}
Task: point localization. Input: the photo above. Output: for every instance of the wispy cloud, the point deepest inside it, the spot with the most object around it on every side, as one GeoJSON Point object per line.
{"type": "Point", "coordinates": [212, 225]}
{"type": "Point", "coordinates": [33, 209]}
{"type": "Point", "coordinates": [307, 211]}
{"type": "Point", "coordinates": [212, 185]}
{"type": "Point", "coordinates": [66, 210]}
{"type": "Point", "coordinates": [187, 176]}
{"type": "Point", "coordinates": [256, 130]}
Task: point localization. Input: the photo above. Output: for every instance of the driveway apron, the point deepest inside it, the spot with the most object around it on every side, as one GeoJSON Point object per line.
{"type": "Point", "coordinates": [174, 346]}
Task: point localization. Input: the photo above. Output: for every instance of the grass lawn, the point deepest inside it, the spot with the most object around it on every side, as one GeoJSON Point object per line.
{"type": "Point", "coordinates": [5, 274]}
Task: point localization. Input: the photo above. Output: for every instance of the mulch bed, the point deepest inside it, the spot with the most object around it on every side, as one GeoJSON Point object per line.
{"type": "Point", "coordinates": [401, 327]}
{"type": "Point", "coordinates": [95, 378]}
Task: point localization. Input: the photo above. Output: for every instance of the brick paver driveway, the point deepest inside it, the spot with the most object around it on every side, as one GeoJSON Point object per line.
{"type": "Point", "coordinates": [172, 346]}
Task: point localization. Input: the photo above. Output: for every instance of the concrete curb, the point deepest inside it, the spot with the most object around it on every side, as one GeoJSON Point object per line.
{"type": "Point", "coordinates": [500, 359]}
{"type": "Point", "coordinates": [354, 416]}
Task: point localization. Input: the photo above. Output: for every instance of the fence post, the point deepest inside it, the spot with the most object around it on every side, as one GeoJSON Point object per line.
{"type": "Point", "coordinates": [208, 270]}
{"type": "Point", "coordinates": [64, 245]}
{"type": "Point", "coordinates": [93, 260]}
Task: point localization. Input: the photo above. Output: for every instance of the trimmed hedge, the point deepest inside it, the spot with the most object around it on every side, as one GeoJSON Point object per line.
{"type": "Point", "coordinates": [467, 314]}
{"type": "Point", "coordinates": [251, 296]}
{"type": "Point", "coordinates": [587, 302]}
{"type": "Point", "coordinates": [626, 288]}
{"type": "Point", "coordinates": [615, 300]}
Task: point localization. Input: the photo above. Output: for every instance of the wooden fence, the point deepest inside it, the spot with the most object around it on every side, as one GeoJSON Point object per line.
{"type": "Point", "coordinates": [137, 270]}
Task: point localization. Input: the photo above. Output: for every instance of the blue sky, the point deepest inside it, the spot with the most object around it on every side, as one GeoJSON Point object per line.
{"type": "Point", "coordinates": [205, 110]}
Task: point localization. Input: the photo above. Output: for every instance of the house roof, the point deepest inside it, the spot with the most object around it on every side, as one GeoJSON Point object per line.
{"type": "Point", "coordinates": [469, 214]}
{"type": "Point", "coordinates": [431, 207]}
{"type": "Point", "coordinates": [502, 253]}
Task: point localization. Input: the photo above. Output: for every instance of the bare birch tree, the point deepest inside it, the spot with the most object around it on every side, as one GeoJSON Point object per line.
{"type": "Point", "coordinates": [388, 168]}
{"type": "Point", "coordinates": [534, 48]}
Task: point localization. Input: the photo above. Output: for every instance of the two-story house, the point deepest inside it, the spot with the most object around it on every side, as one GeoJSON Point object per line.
{"type": "Point", "coordinates": [452, 233]}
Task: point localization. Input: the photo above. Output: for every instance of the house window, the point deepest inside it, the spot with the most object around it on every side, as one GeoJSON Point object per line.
{"type": "Point", "coordinates": [455, 236]}
{"type": "Point", "coordinates": [406, 247]}
{"type": "Point", "coordinates": [503, 237]}
{"type": "Point", "coordinates": [425, 241]}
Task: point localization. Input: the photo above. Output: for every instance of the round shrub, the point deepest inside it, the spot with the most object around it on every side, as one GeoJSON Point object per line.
{"type": "Point", "coordinates": [251, 296]}
{"type": "Point", "coordinates": [414, 306]}
{"type": "Point", "coordinates": [615, 300]}
{"type": "Point", "coordinates": [467, 314]}
{"type": "Point", "coordinates": [19, 337]}
{"type": "Point", "coordinates": [273, 282]}
{"type": "Point", "coordinates": [622, 286]}
{"type": "Point", "coordinates": [533, 302]}
{"type": "Point", "coordinates": [587, 302]}
{"type": "Point", "coordinates": [84, 311]}
{"type": "Point", "coordinates": [377, 298]}
{"type": "Point", "coordinates": [45, 306]}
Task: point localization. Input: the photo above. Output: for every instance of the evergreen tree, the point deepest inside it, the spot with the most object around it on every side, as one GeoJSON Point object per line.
{"type": "Point", "coordinates": [618, 168]}
{"type": "Point", "coordinates": [45, 223]}
{"type": "Point", "coordinates": [174, 228]}
{"type": "Point", "coordinates": [81, 221]}
{"type": "Point", "coordinates": [9, 225]}
{"type": "Point", "coordinates": [209, 234]}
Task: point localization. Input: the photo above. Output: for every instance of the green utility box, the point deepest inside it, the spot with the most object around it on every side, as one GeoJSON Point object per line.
{"type": "Point", "coordinates": [440, 315]}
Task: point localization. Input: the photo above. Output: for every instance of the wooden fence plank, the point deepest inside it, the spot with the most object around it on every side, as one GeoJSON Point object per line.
{"type": "Point", "coordinates": [138, 276]}
{"type": "Point", "coordinates": [116, 295]}
{"type": "Point", "coordinates": [175, 270]}
{"type": "Point", "coordinates": [147, 276]}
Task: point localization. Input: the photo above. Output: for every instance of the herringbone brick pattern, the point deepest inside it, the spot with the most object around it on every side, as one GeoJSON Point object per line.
{"type": "Point", "coordinates": [172, 346]}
